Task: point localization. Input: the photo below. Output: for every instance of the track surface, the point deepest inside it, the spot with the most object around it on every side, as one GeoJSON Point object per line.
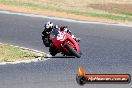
{"type": "Point", "coordinates": [106, 49]}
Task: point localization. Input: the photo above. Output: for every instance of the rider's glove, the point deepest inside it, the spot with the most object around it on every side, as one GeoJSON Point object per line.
{"type": "Point", "coordinates": [68, 31]}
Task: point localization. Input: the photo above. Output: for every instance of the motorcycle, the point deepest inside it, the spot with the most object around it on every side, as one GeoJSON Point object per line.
{"type": "Point", "coordinates": [62, 42]}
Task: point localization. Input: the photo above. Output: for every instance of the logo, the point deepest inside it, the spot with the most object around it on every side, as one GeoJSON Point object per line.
{"type": "Point", "coordinates": [83, 78]}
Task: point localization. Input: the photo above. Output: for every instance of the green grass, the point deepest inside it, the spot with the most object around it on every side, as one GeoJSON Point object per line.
{"type": "Point", "coordinates": [130, 14]}
{"type": "Point", "coordinates": [127, 17]}
{"type": "Point", "coordinates": [10, 54]}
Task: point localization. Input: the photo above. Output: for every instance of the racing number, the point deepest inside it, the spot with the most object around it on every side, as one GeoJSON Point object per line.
{"type": "Point", "coordinates": [61, 36]}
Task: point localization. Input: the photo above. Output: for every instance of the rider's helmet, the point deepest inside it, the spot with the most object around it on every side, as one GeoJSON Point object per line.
{"type": "Point", "coordinates": [49, 25]}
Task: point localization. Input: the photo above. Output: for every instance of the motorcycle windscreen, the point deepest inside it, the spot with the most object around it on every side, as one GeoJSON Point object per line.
{"type": "Point", "coordinates": [54, 33]}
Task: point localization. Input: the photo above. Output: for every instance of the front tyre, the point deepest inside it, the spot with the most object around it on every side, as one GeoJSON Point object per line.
{"type": "Point", "coordinates": [71, 51]}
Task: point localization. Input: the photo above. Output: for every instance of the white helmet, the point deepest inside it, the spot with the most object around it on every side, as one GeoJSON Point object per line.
{"type": "Point", "coordinates": [49, 25]}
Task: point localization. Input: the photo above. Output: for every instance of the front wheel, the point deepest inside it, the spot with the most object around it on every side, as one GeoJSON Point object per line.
{"type": "Point", "coordinates": [72, 51]}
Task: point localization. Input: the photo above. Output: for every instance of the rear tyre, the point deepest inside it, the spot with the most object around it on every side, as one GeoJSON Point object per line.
{"type": "Point", "coordinates": [72, 52]}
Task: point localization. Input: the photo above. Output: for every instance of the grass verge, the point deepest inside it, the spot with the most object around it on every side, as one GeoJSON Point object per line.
{"type": "Point", "coordinates": [116, 17]}
{"type": "Point", "coordinates": [10, 54]}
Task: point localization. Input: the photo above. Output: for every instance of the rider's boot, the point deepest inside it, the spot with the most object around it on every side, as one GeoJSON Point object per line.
{"type": "Point", "coordinates": [52, 50]}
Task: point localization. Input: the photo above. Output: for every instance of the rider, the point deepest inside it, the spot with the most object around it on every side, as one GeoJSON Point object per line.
{"type": "Point", "coordinates": [49, 26]}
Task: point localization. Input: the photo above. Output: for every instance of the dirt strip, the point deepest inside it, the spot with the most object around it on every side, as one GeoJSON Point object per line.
{"type": "Point", "coordinates": [57, 14]}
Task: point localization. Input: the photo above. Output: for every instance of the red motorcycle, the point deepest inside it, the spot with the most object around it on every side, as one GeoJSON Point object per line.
{"type": "Point", "coordinates": [64, 43]}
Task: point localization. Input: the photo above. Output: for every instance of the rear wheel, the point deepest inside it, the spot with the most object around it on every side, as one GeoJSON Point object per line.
{"type": "Point", "coordinates": [72, 52]}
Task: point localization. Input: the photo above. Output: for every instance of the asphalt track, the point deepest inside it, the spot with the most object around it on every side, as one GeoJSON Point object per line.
{"type": "Point", "coordinates": [106, 49]}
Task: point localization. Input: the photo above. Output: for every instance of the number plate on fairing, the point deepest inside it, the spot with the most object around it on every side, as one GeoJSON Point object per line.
{"type": "Point", "coordinates": [61, 36]}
